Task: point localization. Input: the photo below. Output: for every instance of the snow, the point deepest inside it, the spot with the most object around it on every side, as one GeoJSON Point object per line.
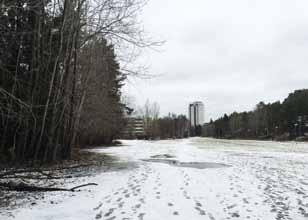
{"type": "Point", "coordinates": [263, 180]}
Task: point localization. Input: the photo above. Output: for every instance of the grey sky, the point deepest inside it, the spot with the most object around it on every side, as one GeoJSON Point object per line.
{"type": "Point", "coordinates": [228, 54]}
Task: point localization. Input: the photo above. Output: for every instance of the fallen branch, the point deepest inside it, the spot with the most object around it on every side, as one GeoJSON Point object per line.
{"type": "Point", "coordinates": [84, 185]}
{"type": "Point", "coordinates": [21, 187]}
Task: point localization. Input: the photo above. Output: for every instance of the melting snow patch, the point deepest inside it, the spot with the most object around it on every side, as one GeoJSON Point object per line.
{"type": "Point", "coordinates": [162, 156]}
{"type": "Point", "coordinates": [197, 165]}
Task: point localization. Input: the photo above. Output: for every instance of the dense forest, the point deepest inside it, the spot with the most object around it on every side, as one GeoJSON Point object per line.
{"type": "Point", "coordinates": [285, 120]}
{"type": "Point", "coordinates": [60, 78]}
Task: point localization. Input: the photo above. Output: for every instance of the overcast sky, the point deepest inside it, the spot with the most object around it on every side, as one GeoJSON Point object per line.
{"type": "Point", "coordinates": [228, 54]}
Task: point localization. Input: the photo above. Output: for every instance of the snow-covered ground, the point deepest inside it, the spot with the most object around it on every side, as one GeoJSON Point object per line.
{"type": "Point", "coordinates": [239, 180]}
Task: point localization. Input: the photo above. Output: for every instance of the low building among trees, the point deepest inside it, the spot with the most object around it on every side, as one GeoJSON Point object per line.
{"type": "Point", "coordinates": [134, 128]}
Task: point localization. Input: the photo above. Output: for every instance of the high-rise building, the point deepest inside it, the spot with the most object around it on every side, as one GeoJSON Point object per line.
{"type": "Point", "coordinates": [196, 113]}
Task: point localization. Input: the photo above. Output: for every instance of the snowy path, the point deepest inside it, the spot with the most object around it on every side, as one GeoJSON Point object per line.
{"type": "Point", "coordinates": [264, 180]}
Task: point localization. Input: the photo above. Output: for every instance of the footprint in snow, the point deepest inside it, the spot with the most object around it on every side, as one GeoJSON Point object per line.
{"type": "Point", "coordinates": [232, 206]}
{"type": "Point", "coordinates": [121, 204]}
{"type": "Point", "coordinates": [141, 216]}
{"type": "Point", "coordinates": [235, 215]}
{"type": "Point", "coordinates": [98, 216]}
{"type": "Point", "coordinates": [211, 216]}
{"type": "Point", "coordinates": [108, 201]}
{"type": "Point", "coordinates": [137, 206]}
{"type": "Point", "coordinates": [198, 204]}
{"type": "Point", "coordinates": [99, 206]}
{"type": "Point", "coordinates": [110, 211]}
{"type": "Point", "coordinates": [175, 213]}
{"type": "Point", "coordinates": [201, 211]}
{"type": "Point", "coordinates": [245, 200]}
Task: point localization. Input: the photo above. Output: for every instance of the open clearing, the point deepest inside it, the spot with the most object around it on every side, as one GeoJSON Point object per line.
{"type": "Point", "coordinates": [188, 180]}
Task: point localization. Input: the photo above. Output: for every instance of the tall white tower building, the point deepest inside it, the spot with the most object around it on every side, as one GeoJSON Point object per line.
{"type": "Point", "coordinates": [196, 113]}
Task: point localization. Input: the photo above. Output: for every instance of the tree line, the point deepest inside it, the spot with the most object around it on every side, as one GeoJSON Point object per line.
{"type": "Point", "coordinates": [156, 127]}
{"type": "Point", "coordinates": [170, 126]}
{"type": "Point", "coordinates": [285, 120]}
{"type": "Point", "coordinates": [60, 78]}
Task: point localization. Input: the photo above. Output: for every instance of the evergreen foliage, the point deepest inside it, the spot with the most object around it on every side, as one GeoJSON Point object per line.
{"type": "Point", "coordinates": [272, 120]}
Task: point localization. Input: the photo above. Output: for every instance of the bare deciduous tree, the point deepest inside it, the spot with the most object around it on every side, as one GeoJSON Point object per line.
{"type": "Point", "coordinates": [45, 74]}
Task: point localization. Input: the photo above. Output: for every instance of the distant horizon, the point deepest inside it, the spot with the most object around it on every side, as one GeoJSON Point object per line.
{"type": "Point", "coordinates": [228, 113]}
